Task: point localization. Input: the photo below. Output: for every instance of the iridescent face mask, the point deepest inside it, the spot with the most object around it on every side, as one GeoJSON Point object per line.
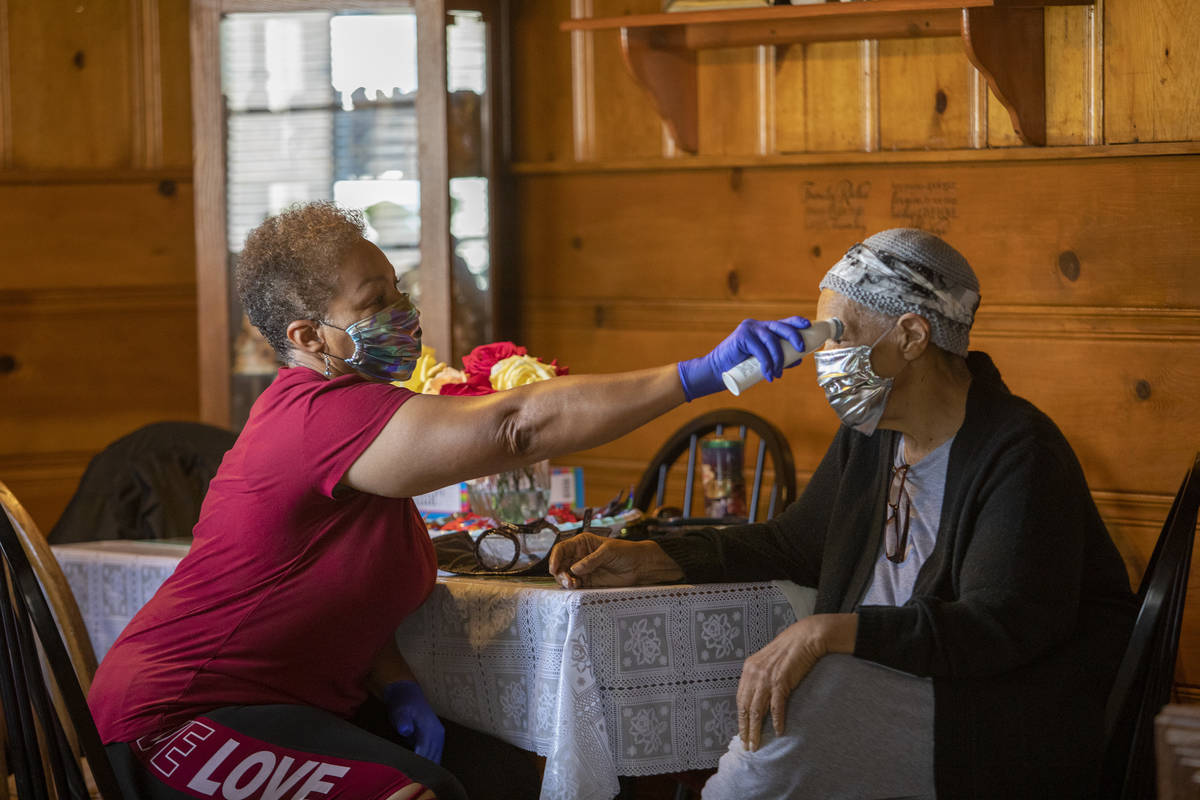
{"type": "Point", "coordinates": [387, 343]}
{"type": "Point", "coordinates": [857, 395]}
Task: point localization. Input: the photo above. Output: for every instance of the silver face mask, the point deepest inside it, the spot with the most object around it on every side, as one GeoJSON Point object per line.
{"type": "Point", "coordinates": [856, 394]}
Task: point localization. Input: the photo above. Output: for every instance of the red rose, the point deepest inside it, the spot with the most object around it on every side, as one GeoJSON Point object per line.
{"type": "Point", "coordinates": [480, 360]}
{"type": "Point", "coordinates": [475, 385]}
{"type": "Point", "coordinates": [559, 370]}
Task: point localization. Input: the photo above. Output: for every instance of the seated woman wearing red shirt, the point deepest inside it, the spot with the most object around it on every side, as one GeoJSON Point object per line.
{"type": "Point", "coordinates": [237, 679]}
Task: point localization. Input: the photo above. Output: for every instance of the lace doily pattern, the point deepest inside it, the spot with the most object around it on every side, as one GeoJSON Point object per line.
{"type": "Point", "coordinates": [602, 682]}
{"type": "Point", "coordinates": [112, 580]}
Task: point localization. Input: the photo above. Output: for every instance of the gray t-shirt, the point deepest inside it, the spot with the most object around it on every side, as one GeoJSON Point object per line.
{"type": "Point", "coordinates": [925, 483]}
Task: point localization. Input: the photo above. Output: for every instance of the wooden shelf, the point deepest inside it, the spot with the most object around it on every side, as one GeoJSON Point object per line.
{"type": "Point", "coordinates": [1004, 39]}
{"type": "Point", "coordinates": [854, 157]}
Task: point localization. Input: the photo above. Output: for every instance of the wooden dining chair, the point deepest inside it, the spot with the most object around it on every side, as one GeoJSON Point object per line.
{"type": "Point", "coordinates": [46, 667]}
{"type": "Point", "coordinates": [54, 584]}
{"type": "Point", "coordinates": [770, 485]}
{"type": "Point", "coordinates": [1143, 684]}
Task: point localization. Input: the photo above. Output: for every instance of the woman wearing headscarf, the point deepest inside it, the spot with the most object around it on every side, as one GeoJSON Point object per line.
{"type": "Point", "coordinates": [971, 607]}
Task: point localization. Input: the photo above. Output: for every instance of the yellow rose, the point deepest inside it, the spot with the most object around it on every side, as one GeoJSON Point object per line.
{"type": "Point", "coordinates": [426, 368]}
{"type": "Point", "coordinates": [514, 371]}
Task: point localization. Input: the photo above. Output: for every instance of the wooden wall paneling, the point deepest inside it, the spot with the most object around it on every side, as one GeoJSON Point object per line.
{"type": "Point", "coordinates": [838, 108]}
{"type": "Point", "coordinates": [1000, 131]}
{"type": "Point", "coordinates": [924, 95]}
{"type": "Point", "coordinates": [6, 154]}
{"type": "Point", "coordinates": [541, 72]}
{"type": "Point", "coordinates": [146, 75]}
{"type": "Point", "coordinates": [1100, 389]}
{"type": "Point", "coordinates": [624, 122]}
{"type": "Point", "coordinates": [76, 235]}
{"type": "Point", "coordinates": [72, 87]}
{"type": "Point", "coordinates": [1098, 234]}
{"type": "Point", "coordinates": [791, 92]}
{"type": "Point", "coordinates": [977, 113]}
{"type": "Point", "coordinates": [1071, 95]}
{"type": "Point", "coordinates": [736, 100]}
{"type": "Point", "coordinates": [44, 482]}
{"type": "Point", "coordinates": [697, 235]}
{"type": "Point", "coordinates": [583, 86]}
{"type": "Point", "coordinates": [578, 215]}
{"type": "Point", "coordinates": [1151, 70]}
{"type": "Point", "coordinates": [50, 405]}
{"type": "Point", "coordinates": [175, 85]}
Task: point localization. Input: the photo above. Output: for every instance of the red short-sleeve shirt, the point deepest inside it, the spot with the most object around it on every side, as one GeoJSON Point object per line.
{"type": "Point", "coordinates": [290, 588]}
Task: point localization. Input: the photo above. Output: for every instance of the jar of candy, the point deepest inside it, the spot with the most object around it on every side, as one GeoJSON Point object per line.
{"type": "Point", "coordinates": [722, 478]}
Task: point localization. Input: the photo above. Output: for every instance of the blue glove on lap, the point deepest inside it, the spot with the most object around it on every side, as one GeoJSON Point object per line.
{"type": "Point", "coordinates": [752, 337]}
{"type": "Point", "coordinates": [414, 719]}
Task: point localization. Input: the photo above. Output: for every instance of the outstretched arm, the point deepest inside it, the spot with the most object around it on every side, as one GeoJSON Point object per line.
{"type": "Point", "coordinates": [434, 441]}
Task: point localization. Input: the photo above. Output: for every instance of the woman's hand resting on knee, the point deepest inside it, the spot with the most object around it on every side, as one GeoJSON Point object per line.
{"type": "Point", "coordinates": [770, 675]}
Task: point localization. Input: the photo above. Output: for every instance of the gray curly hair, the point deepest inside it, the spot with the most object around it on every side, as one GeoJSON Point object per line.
{"type": "Point", "coordinates": [288, 268]}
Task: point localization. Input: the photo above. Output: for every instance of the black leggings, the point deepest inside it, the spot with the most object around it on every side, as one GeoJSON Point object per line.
{"type": "Point", "coordinates": [275, 751]}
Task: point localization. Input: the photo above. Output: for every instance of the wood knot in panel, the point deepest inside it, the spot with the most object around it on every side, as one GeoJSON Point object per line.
{"type": "Point", "coordinates": [598, 316]}
{"type": "Point", "coordinates": [78, 59]}
{"type": "Point", "coordinates": [576, 242]}
{"type": "Point", "coordinates": [166, 188]}
{"type": "Point", "coordinates": [816, 251]}
{"type": "Point", "coordinates": [735, 179]}
{"type": "Point", "coordinates": [1142, 390]}
{"type": "Point", "coordinates": [733, 281]}
{"type": "Point", "coordinates": [7, 364]}
{"type": "Point", "coordinates": [1068, 265]}
{"type": "Point", "coordinates": [939, 102]}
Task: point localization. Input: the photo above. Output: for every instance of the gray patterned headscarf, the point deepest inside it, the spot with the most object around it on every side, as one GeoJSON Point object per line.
{"type": "Point", "coordinates": [906, 270]}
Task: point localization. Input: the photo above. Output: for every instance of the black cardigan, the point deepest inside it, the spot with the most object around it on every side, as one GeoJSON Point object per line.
{"type": "Point", "coordinates": [1020, 615]}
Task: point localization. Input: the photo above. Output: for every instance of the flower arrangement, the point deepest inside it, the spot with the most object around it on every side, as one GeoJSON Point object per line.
{"type": "Point", "coordinates": [517, 495]}
{"type": "Point", "coordinates": [488, 368]}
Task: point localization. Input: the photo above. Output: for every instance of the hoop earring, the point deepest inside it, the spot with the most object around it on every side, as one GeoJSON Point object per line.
{"type": "Point", "coordinates": [328, 365]}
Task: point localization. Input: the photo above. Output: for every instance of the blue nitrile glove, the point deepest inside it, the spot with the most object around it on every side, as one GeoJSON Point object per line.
{"type": "Point", "coordinates": [414, 720]}
{"type": "Point", "coordinates": [751, 337]}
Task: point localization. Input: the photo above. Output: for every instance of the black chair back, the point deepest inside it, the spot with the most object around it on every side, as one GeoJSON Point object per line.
{"type": "Point", "coordinates": [651, 490]}
{"type": "Point", "coordinates": [1144, 679]}
{"type": "Point", "coordinates": [41, 757]}
{"type": "Point", "coordinates": [148, 484]}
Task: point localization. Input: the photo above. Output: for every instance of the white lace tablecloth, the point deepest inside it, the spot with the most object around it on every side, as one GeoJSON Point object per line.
{"type": "Point", "coordinates": [112, 580]}
{"type": "Point", "coordinates": [603, 682]}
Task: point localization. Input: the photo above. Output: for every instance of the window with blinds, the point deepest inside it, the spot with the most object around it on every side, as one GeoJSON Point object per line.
{"type": "Point", "coordinates": [322, 106]}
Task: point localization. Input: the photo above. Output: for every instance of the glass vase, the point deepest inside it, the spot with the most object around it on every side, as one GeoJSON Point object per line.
{"type": "Point", "coordinates": [516, 495]}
